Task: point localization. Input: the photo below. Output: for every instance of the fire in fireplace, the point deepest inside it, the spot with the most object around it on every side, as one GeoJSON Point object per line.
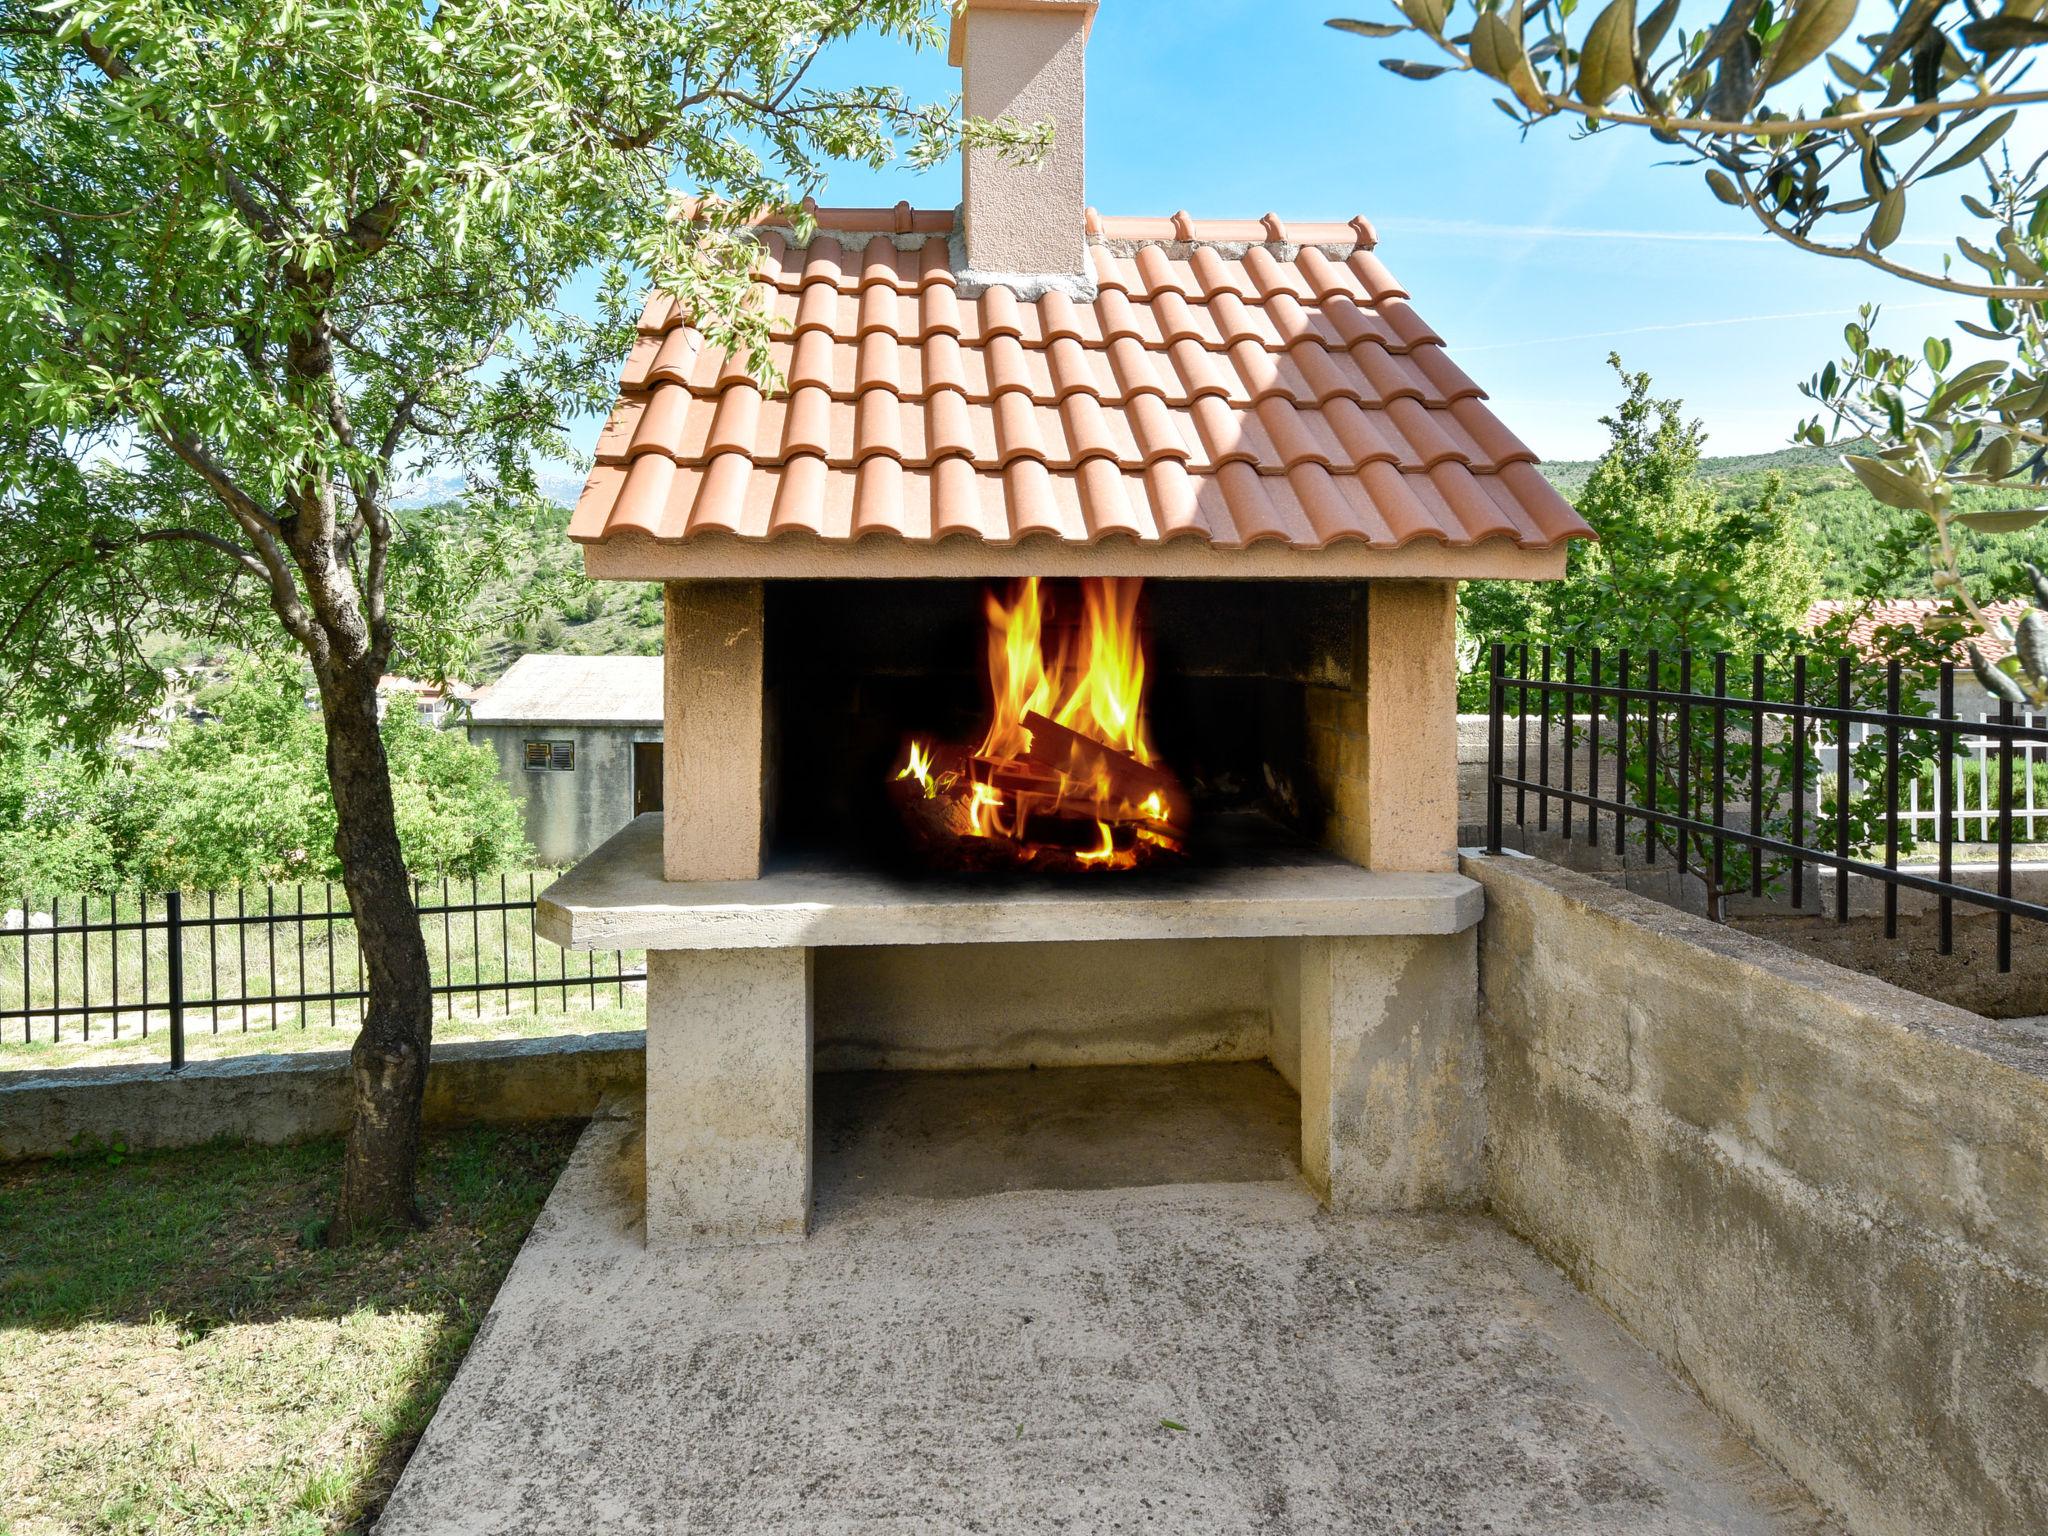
{"type": "Point", "coordinates": [1066, 776]}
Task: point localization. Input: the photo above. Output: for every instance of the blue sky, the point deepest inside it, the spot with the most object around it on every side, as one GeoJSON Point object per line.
{"type": "Point", "coordinates": [1533, 257]}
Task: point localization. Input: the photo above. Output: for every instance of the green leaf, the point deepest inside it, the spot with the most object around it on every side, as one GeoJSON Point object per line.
{"type": "Point", "coordinates": [1809, 32]}
{"type": "Point", "coordinates": [1937, 351]}
{"type": "Point", "coordinates": [1654, 27]}
{"type": "Point", "coordinates": [2008, 520]}
{"type": "Point", "coordinates": [1892, 487]}
{"type": "Point", "coordinates": [1996, 35]}
{"type": "Point", "coordinates": [1979, 144]}
{"type": "Point", "coordinates": [1995, 461]}
{"type": "Point", "coordinates": [1971, 378]}
{"type": "Point", "coordinates": [1175, 1425]}
{"type": "Point", "coordinates": [1364, 28]}
{"type": "Point", "coordinates": [1722, 187]}
{"type": "Point", "coordinates": [1607, 59]}
{"type": "Point", "coordinates": [1497, 53]}
{"type": "Point", "coordinates": [1429, 15]}
{"type": "Point", "coordinates": [1889, 218]}
{"type": "Point", "coordinates": [1407, 69]}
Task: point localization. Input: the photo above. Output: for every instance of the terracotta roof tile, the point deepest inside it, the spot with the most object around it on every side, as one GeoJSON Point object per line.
{"type": "Point", "coordinates": [1232, 381]}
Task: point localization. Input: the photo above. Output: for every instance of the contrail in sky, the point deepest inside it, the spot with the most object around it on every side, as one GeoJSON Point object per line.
{"type": "Point", "coordinates": [1691, 325]}
{"type": "Point", "coordinates": [1572, 232]}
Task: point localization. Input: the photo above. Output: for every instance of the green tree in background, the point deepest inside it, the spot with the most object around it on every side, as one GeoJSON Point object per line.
{"type": "Point", "coordinates": [1677, 567]}
{"type": "Point", "coordinates": [241, 800]}
{"type": "Point", "coordinates": [260, 259]}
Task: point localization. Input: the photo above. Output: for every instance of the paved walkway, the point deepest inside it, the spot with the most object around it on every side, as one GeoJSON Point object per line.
{"type": "Point", "coordinates": [1215, 1356]}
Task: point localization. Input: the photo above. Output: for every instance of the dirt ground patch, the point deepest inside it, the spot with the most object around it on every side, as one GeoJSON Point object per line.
{"type": "Point", "coordinates": [1968, 977]}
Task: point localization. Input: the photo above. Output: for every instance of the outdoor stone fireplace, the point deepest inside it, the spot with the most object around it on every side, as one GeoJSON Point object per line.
{"type": "Point", "coordinates": [1060, 670]}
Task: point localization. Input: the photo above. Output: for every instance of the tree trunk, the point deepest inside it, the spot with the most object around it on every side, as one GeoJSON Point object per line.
{"type": "Point", "coordinates": [388, 1063]}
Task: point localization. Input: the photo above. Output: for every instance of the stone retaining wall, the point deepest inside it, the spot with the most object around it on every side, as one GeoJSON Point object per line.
{"type": "Point", "coordinates": [1821, 1199]}
{"type": "Point", "coordinates": [272, 1099]}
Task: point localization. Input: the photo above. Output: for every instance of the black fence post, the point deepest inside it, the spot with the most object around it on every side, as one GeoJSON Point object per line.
{"type": "Point", "coordinates": [174, 928]}
{"type": "Point", "coordinates": [2005, 718]}
{"type": "Point", "coordinates": [1495, 745]}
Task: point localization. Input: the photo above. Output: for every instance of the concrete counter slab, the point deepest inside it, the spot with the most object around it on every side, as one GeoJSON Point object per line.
{"type": "Point", "coordinates": [617, 899]}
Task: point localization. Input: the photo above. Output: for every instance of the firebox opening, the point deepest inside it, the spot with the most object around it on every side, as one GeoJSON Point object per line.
{"type": "Point", "coordinates": [862, 673]}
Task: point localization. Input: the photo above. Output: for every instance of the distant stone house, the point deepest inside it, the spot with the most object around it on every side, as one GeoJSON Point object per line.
{"type": "Point", "coordinates": [578, 740]}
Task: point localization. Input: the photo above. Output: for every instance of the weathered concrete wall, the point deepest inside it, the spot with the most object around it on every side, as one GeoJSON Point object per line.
{"type": "Point", "coordinates": [272, 1099]}
{"type": "Point", "coordinates": [1109, 1003]}
{"type": "Point", "coordinates": [568, 814]}
{"type": "Point", "coordinates": [1821, 1199]}
{"type": "Point", "coordinates": [1389, 1072]}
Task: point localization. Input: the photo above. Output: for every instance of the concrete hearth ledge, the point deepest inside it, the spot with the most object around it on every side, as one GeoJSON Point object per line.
{"type": "Point", "coordinates": [616, 899]}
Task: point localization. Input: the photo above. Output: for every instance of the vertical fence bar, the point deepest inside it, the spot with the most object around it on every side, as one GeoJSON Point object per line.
{"type": "Point", "coordinates": [85, 966]}
{"type": "Point", "coordinates": [300, 916]}
{"type": "Point", "coordinates": [1652, 708]}
{"type": "Point", "coordinates": [1756, 773]}
{"type": "Point", "coordinates": [1571, 677]}
{"type": "Point", "coordinates": [1621, 755]}
{"type": "Point", "coordinates": [327, 914]}
{"type": "Point", "coordinates": [2005, 836]}
{"type": "Point", "coordinates": [212, 964]}
{"type": "Point", "coordinates": [476, 944]}
{"type": "Point", "coordinates": [1798, 838]}
{"type": "Point", "coordinates": [242, 952]}
{"type": "Point", "coordinates": [28, 1001]}
{"type": "Point", "coordinates": [1495, 746]}
{"type": "Point", "coordinates": [1720, 779]}
{"type": "Point", "coordinates": [142, 932]}
{"type": "Point", "coordinates": [1686, 789]}
{"type": "Point", "coordinates": [1521, 730]}
{"type": "Point", "coordinates": [1593, 754]}
{"type": "Point", "coordinates": [533, 937]}
{"type": "Point", "coordinates": [505, 941]}
{"type": "Point", "coordinates": [174, 930]}
{"type": "Point", "coordinates": [1842, 782]}
{"type": "Point", "coordinates": [1891, 797]}
{"type": "Point", "coordinates": [270, 941]}
{"type": "Point", "coordinates": [114, 958]}
{"type": "Point", "coordinates": [1543, 749]}
{"type": "Point", "coordinates": [1945, 804]}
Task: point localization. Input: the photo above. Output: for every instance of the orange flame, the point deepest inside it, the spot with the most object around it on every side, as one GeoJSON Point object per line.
{"type": "Point", "coordinates": [1101, 693]}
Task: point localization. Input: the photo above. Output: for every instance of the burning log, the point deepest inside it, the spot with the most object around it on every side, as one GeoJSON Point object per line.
{"type": "Point", "coordinates": [1039, 793]}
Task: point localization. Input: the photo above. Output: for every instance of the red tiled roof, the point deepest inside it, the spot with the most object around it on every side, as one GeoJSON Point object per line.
{"type": "Point", "coordinates": [1909, 613]}
{"type": "Point", "coordinates": [1232, 382]}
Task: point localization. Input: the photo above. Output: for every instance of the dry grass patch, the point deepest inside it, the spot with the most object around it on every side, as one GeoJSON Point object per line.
{"type": "Point", "coordinates": [175, 1358]}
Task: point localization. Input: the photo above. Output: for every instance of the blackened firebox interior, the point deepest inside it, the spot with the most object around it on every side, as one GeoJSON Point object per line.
{"type": "Point", "coordinates": [856, 669]}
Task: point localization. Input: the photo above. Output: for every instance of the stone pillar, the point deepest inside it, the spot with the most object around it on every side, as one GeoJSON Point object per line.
{"type": "Point", "coordinates": [1393, 1116]}
{"type": "Point", "coordinates": [713, 755]}
{"type": "Point", "coordinates": [728, 1096]}
{"type": "Point", "coordinates": [1386, 747]}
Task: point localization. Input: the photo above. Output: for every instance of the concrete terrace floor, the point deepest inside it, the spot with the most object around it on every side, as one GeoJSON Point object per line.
{"type": "Point", "coordinates": [1019, 1285]}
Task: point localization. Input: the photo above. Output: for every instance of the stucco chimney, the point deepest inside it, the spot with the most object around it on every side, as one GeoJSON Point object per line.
{"type": "Point", "coordinates": [1025, 59]}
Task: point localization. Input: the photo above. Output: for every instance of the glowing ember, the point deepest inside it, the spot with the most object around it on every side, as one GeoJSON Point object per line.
{"type": "Point", "coordinates": [1066, 776]}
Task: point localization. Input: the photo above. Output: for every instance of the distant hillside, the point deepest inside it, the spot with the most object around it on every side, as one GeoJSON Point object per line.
{"type": "Point", "coordinates": [1569, 474]}
{"type": "Point", "coordinates": [1841, 525]}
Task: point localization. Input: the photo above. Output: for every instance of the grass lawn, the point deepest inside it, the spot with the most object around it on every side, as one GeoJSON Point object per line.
{"type": "Point", "coordinates": [173, 1359]}
{"type": "Point", "coordinates": [17, 1055]}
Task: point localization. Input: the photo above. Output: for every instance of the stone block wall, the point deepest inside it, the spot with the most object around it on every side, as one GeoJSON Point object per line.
{"type": "Point", "coordinates": [1822, 1200]}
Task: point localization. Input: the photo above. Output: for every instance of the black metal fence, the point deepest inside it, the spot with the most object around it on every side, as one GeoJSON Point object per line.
{"type": "Point", "coordinates": [119, 966]}
{"type": "Point", "coordinates": [1750, 788]}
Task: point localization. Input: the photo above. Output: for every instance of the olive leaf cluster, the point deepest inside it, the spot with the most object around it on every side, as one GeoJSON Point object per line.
{"type": "Point", "coordinates": [1825, 133]}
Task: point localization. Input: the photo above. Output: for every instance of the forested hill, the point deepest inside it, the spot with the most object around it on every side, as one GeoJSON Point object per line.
{"type": "Point", "coordinates": [1840, 524]}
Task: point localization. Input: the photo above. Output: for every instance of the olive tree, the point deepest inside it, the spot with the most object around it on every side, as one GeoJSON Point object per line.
{"type": "Point", "coordinates": [1825, 136]}
{"type": "Point", "coordinates": [260, 260]}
